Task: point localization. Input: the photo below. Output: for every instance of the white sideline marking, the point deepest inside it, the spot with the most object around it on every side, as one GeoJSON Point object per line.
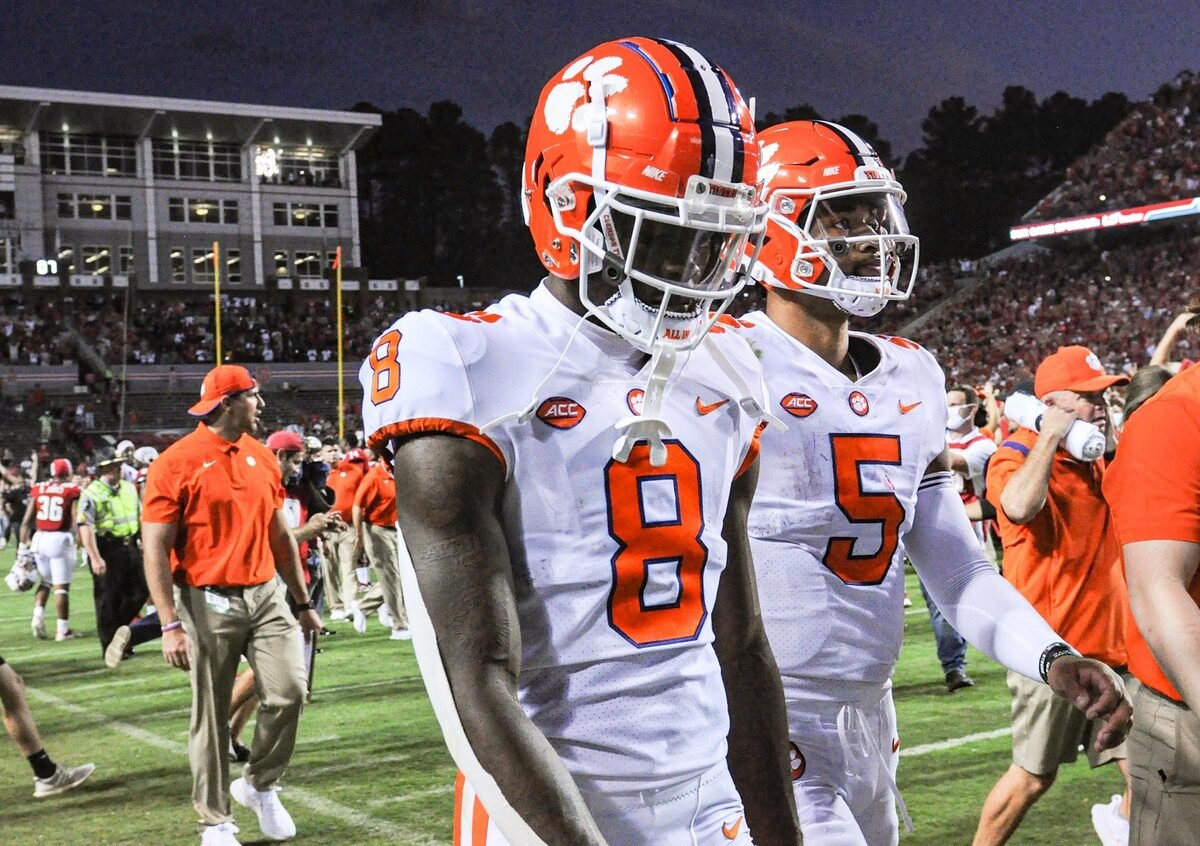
{"type": "Point", "coordinates": [110, 682]}
{"type": "Point", "coordinates": [408, 797]}
{"type": "Point", "coordinates": [321, 738]}
{"type": "Point", "coordinates": [366, 763]}
{"type": "Point", "coordinates": [926, 748]}
{"type": "Point", "coordinates": [310, 800]}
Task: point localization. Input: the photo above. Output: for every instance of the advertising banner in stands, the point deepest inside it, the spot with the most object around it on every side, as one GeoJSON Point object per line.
{"type": "Point", "coordinates": [1106, 220]}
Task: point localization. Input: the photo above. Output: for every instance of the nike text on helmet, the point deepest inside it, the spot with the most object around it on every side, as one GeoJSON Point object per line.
{"type": "Point", "coordinates": [640, 181]}
{"type": "Point", "coordinates": [835, 225]}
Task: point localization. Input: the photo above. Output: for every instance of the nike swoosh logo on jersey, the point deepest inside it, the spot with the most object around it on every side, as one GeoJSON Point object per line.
{"type": "Point", "coordinates": [208, 464]}
{"type": "Point", "coordinates": [731, 831]}
{"type": "Point", "coordinates": [905, 408]}
{"type": "Point", "coordinates": [703, 408]}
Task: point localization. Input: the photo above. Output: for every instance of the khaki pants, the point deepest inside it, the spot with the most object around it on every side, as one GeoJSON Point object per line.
{"type": "Point", "coordinates": [255, 622]}
{"type": "Point", "coordinates": [1048, 730]}
{"type": "Point", "coordinates": [331, 578]}
{"type": "Point", "coordinates": [343, 588]}
{"type": "Point", "coordinates": [1164, 769]}
{"type": "Point", "coordinates": [380, 544]}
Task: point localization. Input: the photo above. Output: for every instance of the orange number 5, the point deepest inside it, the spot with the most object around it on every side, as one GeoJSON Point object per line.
{"type": "Point", "coordinates": [656, 517]}
{"type": "Point", "coordinates": [880, 508]}
{"type": "Point", "coordinates": [386, 379]}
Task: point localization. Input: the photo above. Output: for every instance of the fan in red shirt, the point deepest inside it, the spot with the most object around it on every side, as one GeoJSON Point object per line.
{"type": "Point", "coordinates": [51, 511]}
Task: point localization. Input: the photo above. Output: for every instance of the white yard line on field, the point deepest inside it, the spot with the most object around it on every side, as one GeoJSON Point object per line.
{"type": "Point", "coordinates": [313, 801]}
{"type": "Point", "coordinates": [408, 797]}
{"type": "Point", "coordinates": [926, 748]}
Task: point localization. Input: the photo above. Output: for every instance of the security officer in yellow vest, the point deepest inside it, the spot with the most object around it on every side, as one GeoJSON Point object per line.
{"type": "Point", "coordinates": [109, 524]}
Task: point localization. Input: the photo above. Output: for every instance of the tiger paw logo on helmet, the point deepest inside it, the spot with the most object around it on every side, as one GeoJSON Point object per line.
{"type": "Point", "coordinates": [560, 111]}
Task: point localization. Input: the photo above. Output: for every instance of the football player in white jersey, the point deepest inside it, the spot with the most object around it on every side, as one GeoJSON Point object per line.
{"type": "Point", "coordinates": [573, 473]}
{"type": "Point", "coordinates": [861, 475]}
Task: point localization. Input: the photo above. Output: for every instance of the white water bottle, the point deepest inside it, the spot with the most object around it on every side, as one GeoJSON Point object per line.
{"type": "Point", "coordinates": [1084, 440]}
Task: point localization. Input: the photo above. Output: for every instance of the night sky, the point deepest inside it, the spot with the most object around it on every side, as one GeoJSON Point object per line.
{"type": "Point", "coordinates": [891, 62]}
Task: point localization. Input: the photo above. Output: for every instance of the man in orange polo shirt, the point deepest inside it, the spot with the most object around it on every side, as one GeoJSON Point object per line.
{"type": "Point", "coordinates": [1153, 489]}
{"type": "Point", "coordinates": [374, 516]}
{"type": "Point", "coordinates": [338, 562]}
{"type": "Point", "coordinates": [215, 538]}
{"type": "Point", "coordinates": [1061, 553]}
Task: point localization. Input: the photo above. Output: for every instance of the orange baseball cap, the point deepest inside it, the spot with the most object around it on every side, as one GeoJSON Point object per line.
{"type": "Point", "coordinates": [221, 381]}
{"type": "Point", "coordinates": [1076, 369]}
{"type": "Point", "coordinates": [286, 441]}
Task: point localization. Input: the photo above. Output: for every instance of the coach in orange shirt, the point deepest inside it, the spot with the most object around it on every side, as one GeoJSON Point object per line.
{"type": "Point", "coordinates": [1153, 488]}
{"type": "Point", "coordinates": [374, 517]}
{"type": "Point", "coordinates": [213, 529]}
{"type": "Point", "coordinates": [339, 562]}
{"type": "Point", "coordinates": [1061, 553]}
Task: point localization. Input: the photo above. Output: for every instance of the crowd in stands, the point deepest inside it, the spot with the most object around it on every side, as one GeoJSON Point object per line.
{"type": "Point", "coordinates": [34, 334]}
{"type": "Point", "coordinates": [1151, 156]}
{"type": "Point", "coordinates": [1116, 301]}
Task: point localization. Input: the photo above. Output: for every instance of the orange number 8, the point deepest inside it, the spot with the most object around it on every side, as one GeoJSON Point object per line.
{"type": "Point", "coordinates": [643, 542]}
{"type": "Point", "coordinates": [386, 379]}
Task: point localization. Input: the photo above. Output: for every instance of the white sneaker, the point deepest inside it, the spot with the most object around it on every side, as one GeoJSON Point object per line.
{"type": "Point", "coordinates": [360, 619]}
{"type": "Point", "coordinates": [339, 615]}
{"type": "Point", "coordinates": [115, 653]}
{"type": "Point", "coordinates": [401, 634]}
{"type": "Point", "coordinates": [1112, 828]}
{"type": "Point", "coordinates": [385, 617]}
{"type": "Point", "coordinates": [274, 820]}
{"type": "Point", "coordinates": [39, 628]}
{"type": "Point", "coordinates": [67, 635]}
{"type": "Point", "coordinates": [64, 779]}
{"type": "Point", "coordinates": [221, 834]}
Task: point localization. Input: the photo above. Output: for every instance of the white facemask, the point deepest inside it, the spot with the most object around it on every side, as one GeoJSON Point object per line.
{"type": "Point", "coordinates": [959, 415]}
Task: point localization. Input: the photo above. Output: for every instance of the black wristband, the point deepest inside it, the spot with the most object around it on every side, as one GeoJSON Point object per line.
{"type": "Point", "coordinates": [1051, 654]}
{"type": "Point", "coordinates": [304, 606]}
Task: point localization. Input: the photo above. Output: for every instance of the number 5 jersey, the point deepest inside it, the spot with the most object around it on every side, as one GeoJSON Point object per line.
{"type": "Point", "coordinates": [615, 565]}
{"type": "Point", "coordinates": [836, 493]}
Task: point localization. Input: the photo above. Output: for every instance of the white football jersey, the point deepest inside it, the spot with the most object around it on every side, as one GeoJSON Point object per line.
{"type": "Point", "coordinates": [615, 565]}
{"type": "Point", "coordinates": [836, 493]}
{"type": "Point", "coordinates": [977, 448]}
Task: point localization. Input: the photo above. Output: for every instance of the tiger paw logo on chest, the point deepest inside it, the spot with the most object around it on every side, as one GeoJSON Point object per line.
{"type": "Point", "coordinates": [561, 413]}
{"type": "Point", "coordinates": [858, 403]}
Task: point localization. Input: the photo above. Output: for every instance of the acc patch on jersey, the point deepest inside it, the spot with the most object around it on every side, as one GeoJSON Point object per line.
{"type": "Point", "coordinates": [798, 405]}
{"type": "Point", "coordinates": [561, 413]}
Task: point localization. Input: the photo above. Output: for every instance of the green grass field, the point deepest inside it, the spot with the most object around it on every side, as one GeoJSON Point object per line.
{"type": "Point", "coordinates": [370, 767]}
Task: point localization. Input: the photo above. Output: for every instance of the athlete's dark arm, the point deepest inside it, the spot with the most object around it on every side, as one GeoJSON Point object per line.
{"type": "Point", "coordinates": [447, 500]}
{"type": "Point", "coordinates": [758, 728]}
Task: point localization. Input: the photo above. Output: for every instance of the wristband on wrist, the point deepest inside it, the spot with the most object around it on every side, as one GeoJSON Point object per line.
{"type": "Point", "coordinates": [172, 626]}
{"type": "Point", "coordinates": [306, 605]}
{"type": "Point", "coordinates": [1051, 654]}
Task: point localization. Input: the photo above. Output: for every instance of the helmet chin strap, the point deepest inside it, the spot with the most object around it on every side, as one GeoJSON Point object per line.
{"type": "Point", "coordinates": [648, 426]}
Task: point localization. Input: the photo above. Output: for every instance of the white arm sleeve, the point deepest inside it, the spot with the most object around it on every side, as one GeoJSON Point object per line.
{"type": "Point", "coordinates": [985, 609]}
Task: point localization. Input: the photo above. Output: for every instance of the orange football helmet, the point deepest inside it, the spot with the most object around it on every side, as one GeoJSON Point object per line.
{"type": "Point", "coordinates": [835, 225]}
{"type": "Point", "coordinates": [640, 181]}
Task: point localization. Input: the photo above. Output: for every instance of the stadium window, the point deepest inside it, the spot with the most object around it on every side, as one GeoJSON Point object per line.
{"type": "Point", "coordinates": [95, 206]}
{"type": "Point", "coordinates": [229, 211]}
{"type": "Point", "coordinates": [98, 155]}
{"type": "Point", "coordinates": [203, 268]}
{"type": "Point", "coordinates": [307, 263]}
{"type": "Point", "coordinates": [5, 255]}
{"type": "Point", "coordinates": [66, 258]}
{"type": "Point", "coordinates": [203, 211]}
{"type": "Point", "coordinates": [199, 161]}
{"type": "Point", "coordinates": [331, 216]}
{"type": "Point", "coordinates": [66, 205]}
{"type": "Point", "coordinates": [279, 213]}
{"type": "Point", "coordinates": [283, 267]}
{"type": "Point", "coordinates": [178, 269]}
{"type": "Point", "coordinates": [124, 208]}
{"type": "Point", "coordinates": [233, 266]}
{"type": "Point", "coordinates": [175, 209]}
{"type": "Point", "coordinates": [97, 261]}
{"type": "Point", "coordinates": [125, 261]}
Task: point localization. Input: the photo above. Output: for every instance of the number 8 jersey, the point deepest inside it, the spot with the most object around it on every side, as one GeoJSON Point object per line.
{"type": "Point", "coordinates": [615, 565]}
{"type": "Point", "coordinates": [835, 495]}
